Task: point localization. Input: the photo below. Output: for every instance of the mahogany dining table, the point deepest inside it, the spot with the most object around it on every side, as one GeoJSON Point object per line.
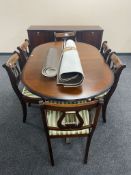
{"type": "Point", "coordinates": [98, 77]}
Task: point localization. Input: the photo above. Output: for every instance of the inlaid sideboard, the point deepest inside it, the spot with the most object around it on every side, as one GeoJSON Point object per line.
{"type": "Point", "coordinates": [42, 34]}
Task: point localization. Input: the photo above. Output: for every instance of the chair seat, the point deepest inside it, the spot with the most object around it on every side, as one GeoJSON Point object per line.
{"type": "Point", "coordinates": [27, 93]}
{"type": "Point", "coordinates": [101, 95]}
{"type": "Point", "coordinates": [53, 117]}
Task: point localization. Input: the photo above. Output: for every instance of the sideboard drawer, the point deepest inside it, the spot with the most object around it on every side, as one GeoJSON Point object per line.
{"type": "Point", "coordinates": [39, 37]}
{"type": "Point", "coordinates": [90, 37]}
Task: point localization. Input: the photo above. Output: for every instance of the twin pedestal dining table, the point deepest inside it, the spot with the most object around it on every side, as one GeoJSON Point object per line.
{"type": "Point", "coordinates": [98, 77]}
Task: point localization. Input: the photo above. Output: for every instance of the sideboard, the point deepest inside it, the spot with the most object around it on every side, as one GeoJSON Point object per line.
{"type": "Point", "coordinates": [87, 34]}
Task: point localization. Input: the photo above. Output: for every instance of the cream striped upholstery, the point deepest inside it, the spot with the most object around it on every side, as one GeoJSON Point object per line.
{"type": "Point", "coordinates": [27, 93]}
{"type": "Point", "coordinates": [53, 116]}
{"type": "Point", "coordinates": [101, 95]}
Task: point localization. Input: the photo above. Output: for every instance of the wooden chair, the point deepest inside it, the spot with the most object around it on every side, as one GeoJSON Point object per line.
{"type": "Point", "coordinates": [24, 96]}
{"type": "Point", "coordinates": [23, 51]}
{"type": "Point", "coordinates": [116, 66]}
{"type": "Point", "coordinates": [105, 50]}
{"type": "Point", "coordinates": [64, 120]}
{"type": "Point", "coordinates": [64, 36]}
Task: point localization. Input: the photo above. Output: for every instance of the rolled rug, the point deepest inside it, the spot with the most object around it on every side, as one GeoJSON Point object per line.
{"type": "Point", "coordinates": [50, 69]}
{"type": "Point", "coordinates": [70, 70]}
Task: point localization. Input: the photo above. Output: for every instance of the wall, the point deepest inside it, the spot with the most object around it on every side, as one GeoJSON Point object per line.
{"type": "Point", "coordinates": [112, 15]}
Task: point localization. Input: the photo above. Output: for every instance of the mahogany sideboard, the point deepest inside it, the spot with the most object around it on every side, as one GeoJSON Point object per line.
{"type": "Point", "coordinates": [87, 34]}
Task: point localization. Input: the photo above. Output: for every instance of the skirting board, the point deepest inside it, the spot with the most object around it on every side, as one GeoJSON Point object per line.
{"type": "Point", "coordinates": [9, 53]}
{"type": "Point", "coordinates": [5, 53]}
{"type": "Point", "coordinates": [125, 54]}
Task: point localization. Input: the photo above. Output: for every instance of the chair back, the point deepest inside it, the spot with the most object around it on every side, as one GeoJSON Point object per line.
{"type": "Point", "coordinates": [64, 36]}
{"type": "Point", "coordinates": [13, 72]}
{"type": "Point", "coordinates": [105, 50]}
{"type": "Point", "coordinates": [23, 50]}
{"type": "Point", "coordinates": [73, 108]}
{"type": "Point", "coordinates": [116, 66]}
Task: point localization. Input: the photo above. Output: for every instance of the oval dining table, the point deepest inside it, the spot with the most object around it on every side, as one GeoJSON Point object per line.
{"type": "Point", "coordinates": [98, 77]}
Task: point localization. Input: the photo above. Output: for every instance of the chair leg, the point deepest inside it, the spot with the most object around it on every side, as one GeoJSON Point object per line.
{"type": "Point", "coordinates": [24, 107]}
{"type": "Point", "coordinates": [104, 112]}
{"type": "Point", "coordinates": [87, 148]}
{"type": "Point", "coordinates": [104, 106]}
{"type": "Point", "coordinates": [67, 140]}
{"type": "Point", "coordinates": [47, 137]}
{"type": "Point", "coordinates": [50, 151]}
{"type": "Point", "coordinates": [29, 104]}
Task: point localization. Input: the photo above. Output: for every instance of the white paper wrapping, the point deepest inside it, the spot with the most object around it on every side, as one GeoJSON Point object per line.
{"type": "Point", "coordinates": [70, 69]}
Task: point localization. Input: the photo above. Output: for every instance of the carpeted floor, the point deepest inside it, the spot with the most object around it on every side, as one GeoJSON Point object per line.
{"type": "Point", "coordinates": [23, 147]}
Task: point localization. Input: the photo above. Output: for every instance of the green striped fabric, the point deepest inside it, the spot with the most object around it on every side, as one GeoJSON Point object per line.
{"type": "Point", "coordinates": [27, 93]}
{"type": "Point", "coordinates": [53, 117]}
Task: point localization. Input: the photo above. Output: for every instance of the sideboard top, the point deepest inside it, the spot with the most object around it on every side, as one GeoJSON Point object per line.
{"type": "Point", "coordinates": [64, 27]}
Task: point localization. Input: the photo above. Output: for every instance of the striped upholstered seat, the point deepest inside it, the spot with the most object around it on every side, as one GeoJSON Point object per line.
{"type": "Point", "coordinates": [27, 93]}
{"type": "Point", "coordinates": [53, 116]}
{"type": "Point", "coordinates": [70, 118]}
{"type": "Point", "coordinates": [101, 95]}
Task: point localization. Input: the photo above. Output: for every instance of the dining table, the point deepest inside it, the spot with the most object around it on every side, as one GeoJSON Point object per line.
{"type": "Point", "coordinates": [98, 77]}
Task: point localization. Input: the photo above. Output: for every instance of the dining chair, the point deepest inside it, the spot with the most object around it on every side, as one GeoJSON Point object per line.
{"type": "Point", "coordinates": [105, 50]}
{"type": "Point", "coordinates": [116, 66]}
{"type": "Point", "coordinates": [64, 36]}
{"type": "Point", "coordinates": [74, 119]}
{"type": "Point", "coordinates": [25, 97]}
{"type": "Point", "coordinates": [23, 51]}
